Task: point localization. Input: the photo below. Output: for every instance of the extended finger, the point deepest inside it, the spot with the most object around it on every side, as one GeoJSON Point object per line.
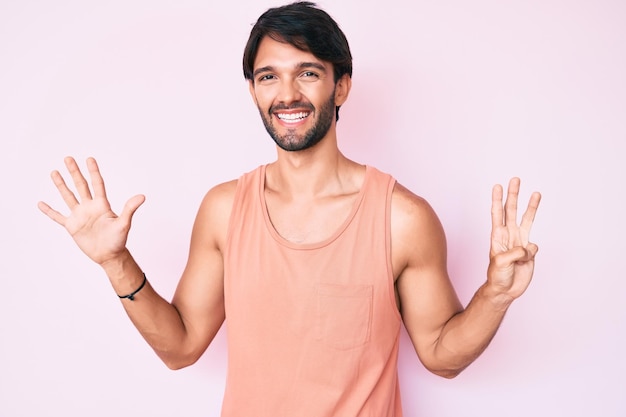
{"type": "Point", "coordinates": [496, 206]}
{"type": "Point", "coordinates": [510, 206]}
{"type": "Point", "coordinates": [52, 213]}
{"type": "Point", "coordinates": [529, 216]}
{"type": "Point", "coordinates": [96, 178]}
{"type": "Point", "coordinates": [79, 180]}
{"type": "Point", "coordinates": [67, 195]}
{"type": "Point", "coordinates": [131, 206]}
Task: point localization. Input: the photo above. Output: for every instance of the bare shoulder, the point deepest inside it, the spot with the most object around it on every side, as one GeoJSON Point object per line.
{"type": "Point", "coordinates": [220, 197]}
{"type": "Point", "coordinates": [409, 204]}
{"type": "Point", "coordinates": [410, 212]}
{"type": "Point", "coordinates": [416, 232]}
{"type": "Point", "coordinates": [214, 212]}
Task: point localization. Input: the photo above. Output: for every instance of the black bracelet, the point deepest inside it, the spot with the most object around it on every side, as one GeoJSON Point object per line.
{"type": "Point", "coordinates": [131, 296]}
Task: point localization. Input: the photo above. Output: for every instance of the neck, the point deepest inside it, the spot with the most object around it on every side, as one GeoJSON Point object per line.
{"type": "Point", "coordinates": [317, 171]}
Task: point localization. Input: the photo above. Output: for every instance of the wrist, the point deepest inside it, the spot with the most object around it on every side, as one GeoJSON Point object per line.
{"type": "Point", "coordinates": [499, 299]}
{"type": "Point", "coordinates": [117, 263]}
{"type": "Point", "coordinates": [123, 272]}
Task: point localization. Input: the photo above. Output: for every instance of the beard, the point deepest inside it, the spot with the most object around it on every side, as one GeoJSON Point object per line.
{"type": "Point", "coordinates": [292, 141]}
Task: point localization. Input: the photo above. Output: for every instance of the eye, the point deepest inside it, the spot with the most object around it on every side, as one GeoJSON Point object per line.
{"type": "Point", "coordinates": [309, 76]}
{"type": "Point", "coordinates": [266, 77]}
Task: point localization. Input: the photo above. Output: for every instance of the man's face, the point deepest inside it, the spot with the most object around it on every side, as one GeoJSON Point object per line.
{"type": "Point", "coordinates": [295, 94]}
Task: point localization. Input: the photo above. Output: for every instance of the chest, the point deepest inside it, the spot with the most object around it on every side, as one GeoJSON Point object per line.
{"type": "Point", "coordinates": [305, 221]}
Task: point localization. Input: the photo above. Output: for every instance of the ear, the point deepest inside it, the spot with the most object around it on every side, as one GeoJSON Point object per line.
{"type": "Point", "coordinates": [342, 89]}
{"type": "Point", "coordinates": [252, 92]}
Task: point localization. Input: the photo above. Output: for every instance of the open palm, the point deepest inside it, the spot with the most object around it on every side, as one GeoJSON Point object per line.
{"type": "Point", "coordinates": [97, 230]}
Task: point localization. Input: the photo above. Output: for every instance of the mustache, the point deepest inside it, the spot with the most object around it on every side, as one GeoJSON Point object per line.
{"type": "Point", "coordinates": [292, 106]}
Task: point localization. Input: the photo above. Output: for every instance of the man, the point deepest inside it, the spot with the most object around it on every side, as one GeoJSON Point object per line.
{"type": "Point", "coordinates": [314, 259]}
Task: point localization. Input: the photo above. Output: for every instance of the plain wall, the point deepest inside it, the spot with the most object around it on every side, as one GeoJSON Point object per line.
{"type": "Point", "coordinates": [449, 97]}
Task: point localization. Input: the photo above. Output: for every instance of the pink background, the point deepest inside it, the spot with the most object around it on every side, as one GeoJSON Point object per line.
{"type": "Point", "coordinates": [450, 97]}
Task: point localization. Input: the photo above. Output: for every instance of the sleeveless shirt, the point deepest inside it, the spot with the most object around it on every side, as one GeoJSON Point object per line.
{"type": "Point", "coordinates": [312, 329]}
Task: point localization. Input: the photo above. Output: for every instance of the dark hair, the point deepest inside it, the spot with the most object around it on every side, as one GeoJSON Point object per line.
{"type": "Point", "coordinates": [303, 25]}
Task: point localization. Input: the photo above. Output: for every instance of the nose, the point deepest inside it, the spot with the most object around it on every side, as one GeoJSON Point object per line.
{"type": "Point", "coordinates": [289, 92]}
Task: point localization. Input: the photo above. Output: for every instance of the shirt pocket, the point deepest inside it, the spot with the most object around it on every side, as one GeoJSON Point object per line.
{"type": "Point", "coordinates": [344, 315]}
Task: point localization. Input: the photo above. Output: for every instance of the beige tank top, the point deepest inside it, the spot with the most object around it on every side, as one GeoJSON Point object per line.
{"type": "Point", "coordinates": [313, 329]}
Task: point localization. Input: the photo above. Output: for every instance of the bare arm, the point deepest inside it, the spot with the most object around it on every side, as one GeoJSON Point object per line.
{"type": "Point", "coordinates": [179, 331]}
{"type": "Point", "coordinates": [446, 337]}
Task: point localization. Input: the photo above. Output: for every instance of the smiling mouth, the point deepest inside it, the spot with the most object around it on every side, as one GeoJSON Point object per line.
{"type": "Point", "coordinates": [293, 117]}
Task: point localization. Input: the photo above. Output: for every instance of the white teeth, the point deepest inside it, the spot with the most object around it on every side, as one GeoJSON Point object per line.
{"type": "Point", "coordinates": [292, 117]}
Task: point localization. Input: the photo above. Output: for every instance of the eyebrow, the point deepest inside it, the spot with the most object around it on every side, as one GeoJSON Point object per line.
{"type": "Point", "coordinates": [299, 66]}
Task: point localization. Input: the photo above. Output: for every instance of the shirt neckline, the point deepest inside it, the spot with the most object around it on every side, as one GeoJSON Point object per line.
{"type": "Point", "coordinates": [313, 245]}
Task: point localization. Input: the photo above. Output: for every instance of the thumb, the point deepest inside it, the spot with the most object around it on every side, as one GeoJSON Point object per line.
{"type": "Point", "coordinates": [517, 254]}
{"type": "Point", "coordinates": [131, 206]}
{"type": "Point", "coordinates": [528, 253]}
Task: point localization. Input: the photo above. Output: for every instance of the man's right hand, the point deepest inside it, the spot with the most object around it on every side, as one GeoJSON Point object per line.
{"type": "Point", "coordinates": [97, 230]}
